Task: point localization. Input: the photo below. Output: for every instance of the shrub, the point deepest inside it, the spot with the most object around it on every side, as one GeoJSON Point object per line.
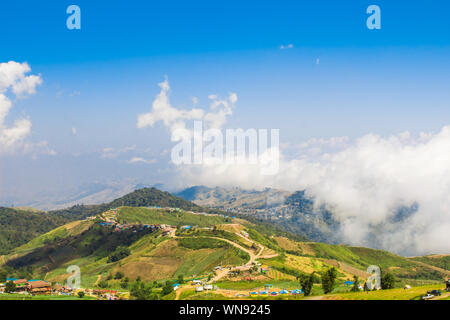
{"type": "Point", "coordinates": [118, 254]}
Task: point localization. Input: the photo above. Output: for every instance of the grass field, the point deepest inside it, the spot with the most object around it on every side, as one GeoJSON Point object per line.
{"type": "Point", "coordinates": [16, 296]}
{"type": "Point", "coordinates": [250, 285]}
{"type": "Point", "coordinates": [392, 294]}
{"type": "Point", "coordinates": [155, 216]}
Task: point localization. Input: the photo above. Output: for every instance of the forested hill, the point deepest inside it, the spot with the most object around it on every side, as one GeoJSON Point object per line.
{"type": "Point", "coordinates": [18, 227]}
{"type": "Point", "coordinates": [144, 197]}
{"type": "Point", "coordinates": [153, 197]}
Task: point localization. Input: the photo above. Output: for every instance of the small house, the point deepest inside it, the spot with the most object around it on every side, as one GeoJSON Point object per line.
{"type": "Point", "coordinates": [39, 287]}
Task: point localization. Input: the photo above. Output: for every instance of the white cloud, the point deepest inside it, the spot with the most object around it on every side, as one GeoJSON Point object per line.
{"type": "Point", "coordinates": [41, 148]}
{"type": "Point", "coordinates": [141, 160]}
{"type": "Point", "coordinates": [364, 182]}
{"type": "Point", "coordinates": [74, 131]}
{"type": "Point", "coordinates": [14, 79]}
{"type": "Point", "coordinates": [74, 93]}
{"type": "Point", "coordinates": [112, 153]}
{"type": "Point", "coordinates": [174, 118]}
{"type": "Point", "coordinates": [288, 46]}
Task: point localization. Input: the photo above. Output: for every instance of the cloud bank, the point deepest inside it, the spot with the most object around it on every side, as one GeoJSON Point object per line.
{"type": "Point", "coordinates": [14, 80]}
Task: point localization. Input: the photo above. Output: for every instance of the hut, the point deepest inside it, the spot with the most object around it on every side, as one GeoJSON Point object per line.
{"type": "Point", "coordinates": [39, 287]}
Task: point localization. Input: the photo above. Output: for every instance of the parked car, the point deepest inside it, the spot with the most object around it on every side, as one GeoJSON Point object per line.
{"type": "Point", "coordinates": [427, 296]}
{"type": "Point", "coordinates": [435, 292]}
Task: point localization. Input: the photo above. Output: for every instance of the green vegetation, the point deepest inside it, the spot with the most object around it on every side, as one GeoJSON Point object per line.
{"type": "Point", "coordinates": [387, 281]}
{"type": "Point", "coordinates": [440, 261]}
{"type": "Point", "coordinates": [18, 296]}
{"type": "Point", "coordinates": [139, 198]}
{"type": "Point", "coordinates": [18, 227]}
{"type": "Point", "coordinates": [265, 241]}
{"type": "Point", "coordinates": [355, 287]}
{"type": "Point", "coordinates": [202, 243]}
{"type": "Point", "coordinates": [161, 216]}
{"type": "Point", "coordinates": [329, 280]}
{"type": "Point", "coordinates": [307, 282]}
{"type": "Point", "coordinates": [118, 254]}
{"type": "Point", "coordinates": [390, 294]}
{"type": "Point", "coordinates": [10, 287]}
{"type": "Point", "coordinates": [361, 258]}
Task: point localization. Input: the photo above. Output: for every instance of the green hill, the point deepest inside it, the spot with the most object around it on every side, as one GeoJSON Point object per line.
{"type": "Point", "coordinates": [18, 227]}
{"type": "Point", "coordinates": [119, 241]}
{"type": "Point", "coordinates": [90, 245]}
{"type": "Point", "coordinates": [139, 198]}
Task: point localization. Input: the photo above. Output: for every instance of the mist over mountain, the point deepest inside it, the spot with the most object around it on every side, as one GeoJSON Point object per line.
{"type": "Point", "coordinates": [299, 213]}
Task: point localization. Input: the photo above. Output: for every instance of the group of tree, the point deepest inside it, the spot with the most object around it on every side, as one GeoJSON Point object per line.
{"type": "Point", "coordinates": [118, 254]}
{"type": "Point", "coordinates": [143, 291]}
{"type": "Point", "coordinates": [10, 287]}
{"type": "Point", "coordinates": [328, 280]}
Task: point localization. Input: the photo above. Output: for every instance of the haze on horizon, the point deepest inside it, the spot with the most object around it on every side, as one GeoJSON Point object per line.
{"type": "Point", "coordinates": [363, 114]}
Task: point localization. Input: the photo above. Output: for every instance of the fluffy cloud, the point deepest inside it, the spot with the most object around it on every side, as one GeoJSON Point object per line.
{"type": "Point", "coordinates": [14, 79]}
{"type": "Point", "coordinates": [174, 118]}
{"type": "Point", "coordinates": [386, 192]}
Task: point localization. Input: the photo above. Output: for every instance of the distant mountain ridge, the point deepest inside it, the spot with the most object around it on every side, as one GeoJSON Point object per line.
{"type": "Point", "coordinates": [293, 211]}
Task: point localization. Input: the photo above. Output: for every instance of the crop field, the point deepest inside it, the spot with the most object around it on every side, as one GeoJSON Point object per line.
{"type": "Point", "coordinates": [392, 294]}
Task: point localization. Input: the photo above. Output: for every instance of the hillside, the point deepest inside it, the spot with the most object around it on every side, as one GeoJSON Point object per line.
{"type": "Point", "coordinates": [20, 226]}
{"type": "Point", "coordinates": [152, 257]}
{"type": "Point", "coordinates": [233, 198]}
{"type": "Point", "coordinates": [144, 197]}
{"type": "Point", "coordinates": [102, 250]}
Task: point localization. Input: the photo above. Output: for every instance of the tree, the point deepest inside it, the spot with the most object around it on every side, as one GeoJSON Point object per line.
{"type": "Point", "coordinates": [387, 281]}
{"type": "Point", "coordinates": [3, 275]}
{"type": "Point", "coordinates": [118, 275]}
{"type": "Point", "coordinates": [168, 288]}
{"type": "Point", "coordinates": [140, 291]}
{"type": "Point", "coordinates": [124, 283]}
{"type": "Point", "coordinates": [180, 279]}
{"type": "Point", "coordinates": [10, 287]}
{"type": "Point", "coordinates": [328, 280]}
{"type": "Point", "coordinates": [355, 287]}
{"type": "Point", "coordinates": [103, 284]}
{"type": "Point", "coordinates": [366, 287]}
{"type": "Point", "coordinates": [118, 254]}
{"type": "Point", "coordinates": [306, 282]}
{"type": "Point", "coordinates": [81, 294]}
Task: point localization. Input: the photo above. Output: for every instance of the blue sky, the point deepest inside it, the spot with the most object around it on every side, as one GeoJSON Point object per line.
{"type": "Point", "coordinates": [338, 79]}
